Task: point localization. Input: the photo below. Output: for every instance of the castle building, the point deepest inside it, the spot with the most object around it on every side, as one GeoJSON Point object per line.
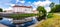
{"type": "Point", "coordinates": [23, 9]}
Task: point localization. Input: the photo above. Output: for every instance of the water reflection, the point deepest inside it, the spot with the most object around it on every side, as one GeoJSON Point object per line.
{"type": "Point", "coordinates": [8, 22]}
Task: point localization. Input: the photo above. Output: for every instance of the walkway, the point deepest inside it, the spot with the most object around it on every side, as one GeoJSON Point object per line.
{"type": "Point", "coordinates": [36, 23]}
{"type": "Point", "coordinates": [1, 25]}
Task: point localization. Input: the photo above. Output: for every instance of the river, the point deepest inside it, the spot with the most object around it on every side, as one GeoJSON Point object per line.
{"type": "Point", "coordinates": [8, 22]}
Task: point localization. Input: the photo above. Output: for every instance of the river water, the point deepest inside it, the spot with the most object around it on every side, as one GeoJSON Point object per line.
{"type": "Point", "coordinates": [8, 22]}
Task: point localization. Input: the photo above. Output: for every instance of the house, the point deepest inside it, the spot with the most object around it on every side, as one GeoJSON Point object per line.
{"type": "Point", "coordinates": [23, 9]}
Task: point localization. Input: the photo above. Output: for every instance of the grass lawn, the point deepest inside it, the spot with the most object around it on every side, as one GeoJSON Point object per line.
{"type": "Point", "coordinates": [51, 22]}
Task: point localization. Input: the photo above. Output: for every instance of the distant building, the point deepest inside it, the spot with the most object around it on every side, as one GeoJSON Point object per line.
{"type": "Point", "coordinates": [35, 11]}
{"type": "Point", "coordinates": [24, 9]}
{"type": "Point", "coordinates": [8, 11]}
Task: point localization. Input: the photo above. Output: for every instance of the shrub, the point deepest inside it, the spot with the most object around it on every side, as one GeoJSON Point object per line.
{"type": "Point", "coordinates": [21, 16]}
{"type": "Point", "coordinates": [50, 15]}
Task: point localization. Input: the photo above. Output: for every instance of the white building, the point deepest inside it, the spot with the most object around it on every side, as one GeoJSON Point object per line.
{"type": "Point", "coordinates": [8, 11]}
{"type": "Point", "coordinates": [24, 9]}
{"type": "Point", "coordinates": [21, 9]}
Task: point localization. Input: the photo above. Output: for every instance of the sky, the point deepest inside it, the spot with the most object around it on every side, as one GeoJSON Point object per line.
{"type": "Point", "coordinates": [7, 4]}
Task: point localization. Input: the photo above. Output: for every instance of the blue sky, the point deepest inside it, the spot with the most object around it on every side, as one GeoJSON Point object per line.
{"type": "Point", "coordinates": [8, 3]}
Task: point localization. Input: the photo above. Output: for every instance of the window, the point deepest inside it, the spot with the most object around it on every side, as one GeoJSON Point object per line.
{"type": "Point", "coordinates": [25, 9]}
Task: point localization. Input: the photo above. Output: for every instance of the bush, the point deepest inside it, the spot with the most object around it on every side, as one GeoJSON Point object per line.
{"type": "Point", "coordinates": [50, 15]}
{"type": "Point", "coordinates": [42, 13]}
{"type": "Point", "coordinates": [21, 16]}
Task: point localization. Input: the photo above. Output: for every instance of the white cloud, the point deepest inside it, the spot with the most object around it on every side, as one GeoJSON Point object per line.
{"type": "Point", "coordinates": [36, 3]}
{"type": "Point", "coordinates": [10, 8]}
{"type": "Point", "coordinates": [9, 4]}
{"type": "Point", "coordinates": [22, 1]}
{"type": "Point", "coordinates": [29, 2]}
{"type": "Point", "coordinates": [12, 4]}
{"type": "Point", "coordinates": [47, 0]}
{"type": "Point", "coordinates": [44, 3]}
{"type": "Point", "coordinates": [17, 1]}
{"type": "Point", "coordinates": [39, 3]}
{"type": "Point", "coordinates": [48, 9]}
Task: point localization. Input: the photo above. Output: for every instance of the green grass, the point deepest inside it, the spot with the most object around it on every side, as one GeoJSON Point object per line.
{"type": "Point", "coordinates": [51, 22]}
{"type": "Point", "coordinates": [50, 15]}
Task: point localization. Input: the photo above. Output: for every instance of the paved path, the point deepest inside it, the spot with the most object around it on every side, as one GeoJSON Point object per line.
{"type": "Point", "coordinates": [57, 13]}
{"type": "Point", "coordinates": [1, 25]}
{"type": "Point", "coordinates": [36, 23]}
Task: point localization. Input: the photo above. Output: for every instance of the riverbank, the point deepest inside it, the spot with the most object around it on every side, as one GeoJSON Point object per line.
{"type": "Point", "coordinates": [51, 22]}
{"type": "Point", "coordinates": [1, 25]}
{"type": "Point", "coordinates": [8, 22]}
{"type": "Point", "coordinates": [36, 23]}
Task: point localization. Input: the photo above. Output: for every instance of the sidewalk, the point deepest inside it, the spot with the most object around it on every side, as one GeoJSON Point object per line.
{"type": "Point", "coordinates": [1, 25]}
{"type": "Point", "coordinates": [36, 23]}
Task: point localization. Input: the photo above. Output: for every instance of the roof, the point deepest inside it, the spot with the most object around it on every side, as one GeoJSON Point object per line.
{"type": "Point", "coordinates": [23, 6]}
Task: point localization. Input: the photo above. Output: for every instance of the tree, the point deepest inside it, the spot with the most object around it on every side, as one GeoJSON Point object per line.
{"type": "Point", "coordinates": [1, 10]}
{"type": "Point", "coordinates": [52, 5]}
{"type": "Point", "coordinates": [56, 8]}
{"type": "Point", "coordinates": [42, 12]}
